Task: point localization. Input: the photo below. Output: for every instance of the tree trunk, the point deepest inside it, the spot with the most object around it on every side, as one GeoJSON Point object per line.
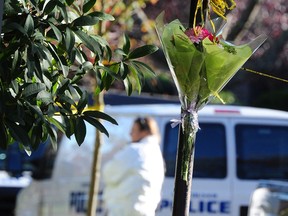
{"type": "Point", "coordinates": [95, 171]}
{"type": "Point", "coordinates": [242, 22]}
{"type": "Point", "coordinates": [96, 163]}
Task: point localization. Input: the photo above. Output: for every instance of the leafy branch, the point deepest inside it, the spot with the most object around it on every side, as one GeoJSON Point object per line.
{"type": "Point", "coordinates": [46, 48]}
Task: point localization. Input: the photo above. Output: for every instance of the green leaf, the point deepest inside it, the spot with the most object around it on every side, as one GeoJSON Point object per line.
{"type": "Point", "coordinates": [82, 103]}
{"type": "Point", "coordinates": [12, 8]}
{"type": "Point", "coordinates": [76, 79]}
{"type": "Point", "coordinates": [100, 115]}
{"type": "Point", "coordinates": [142, 51]}
{"type": "Point", "coordinates": [50, 6]}
{"type": "Point", "coordinates": [56, 31]}
{"type": "Point", "coordinates": [102, 16]}
{"type": "Point", "coordinates": [99, 86]}
{"type": "Point", "coordinates": [51, 110]}
{"type": "Point", "coordinates": [36, 136]}
{"type": "Point", "coordinates": [124, 70]}
{"type": "Point", "coordinates": [87, 66]}
{"type": "Point", "coordinates": [88, 5]}
{"type": "Point", "coordinates": [134, 78]}
{"type": "Point", "coordinates": [69, 2]}
{"type": "Point", "coordinates": [19, 133]}
{"type": "Point", "coordinates": [66, 102]}
{"type": "Point", "coordinates": [43, 48]}
{"type": "Point", "coordinates": [126, 46]}
{"type": "Point", "coordinates": [90, 42]}
{"type": "Point", "coordinates": [96, 124]}
{"type": "Point", "coordinates": [60, 3]}
{"type": "Point", "coordinates": [107, 80]}
{"type": "Point", "coordinates": [36, 110]}
{"type": "Point", "coordinates": [40, 52]}
{"type": "Point", "coordinates": [105, 45]}
{"type": "Point", "coordinates": [53, 51]}
{"type": "Point", "coordinates": [16, 26]}
{"type": "Point", "coordinates": [38, 68]}
{"type": "Point", "coordinates": [64, 85]}
{"type": "Point", "coordinates": [34, 2]}
{"type": "Point", "coordinates": [85, 21]}
{"type": "Point", "coordinates": [52, 135]}
{"type": "Point", "coordinates": [33, 88]}
{"type": "Point", "coordinates": [16, 61]}
{"type": "Point", "coordinates": [111, 70]}
{"type": "Point", "coordinates": [29, 25]}
{"type": "Point", "coordinates": [120, 52]}
{"type": "Point", "coordinates": [72, 54]}
{"type": "Point", "coordinates": [69, 124]}
{"type": "Point", "coordinates": [69, 40]}
{"type": "Point", "coordinates": [128, 86]}
{"type": "Point", "coordinates": [30, 64]}
{"type": "Point", "coordinates": [142, 67]}
{"type": "Point", "coordinates": [56, 123]}
{"type": "Point", "coordinates": [63, 11]}
{"type": "Point", "coordinates": [80, 133]}
{"type": "Point", "coordinates": [45, 97]}
{"type": "Point", "coordinates": [44, 134]}
{"type": "Point", "coordinates": [15, 86]}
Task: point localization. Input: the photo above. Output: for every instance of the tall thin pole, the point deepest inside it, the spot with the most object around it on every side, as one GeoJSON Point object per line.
{"type": "Point", "coordinates": [182, 187]}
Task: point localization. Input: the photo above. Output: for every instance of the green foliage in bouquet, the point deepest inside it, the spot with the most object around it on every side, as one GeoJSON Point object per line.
{"type": "Point", "coordinates": [201, 63]}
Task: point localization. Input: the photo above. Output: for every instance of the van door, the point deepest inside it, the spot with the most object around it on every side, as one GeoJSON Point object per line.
{"type": "Point", "coordinates": [261, 153]}
{"type": "Point", "coordinates": [211, 185]}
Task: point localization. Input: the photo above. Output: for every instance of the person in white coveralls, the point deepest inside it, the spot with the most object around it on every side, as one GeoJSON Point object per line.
{"type": "Point", "coordinates": [133, 178]}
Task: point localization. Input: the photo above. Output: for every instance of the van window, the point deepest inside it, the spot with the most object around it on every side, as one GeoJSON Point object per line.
{"type": "Point", "coordinates": [13, 156]}
{"type": "Point", "coordinates": [210, 151]}
{"type": "Point", "coordinates": [262, 152]}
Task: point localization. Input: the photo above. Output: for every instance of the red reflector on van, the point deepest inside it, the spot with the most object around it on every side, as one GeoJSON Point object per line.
{"type": "Point", "coordinates": [227, 111]}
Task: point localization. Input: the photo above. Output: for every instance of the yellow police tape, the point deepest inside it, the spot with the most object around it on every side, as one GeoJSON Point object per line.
{"type": "Point", "coordinates": [95, 107]}
{"type": "Point", "coordinates": [263, 74]}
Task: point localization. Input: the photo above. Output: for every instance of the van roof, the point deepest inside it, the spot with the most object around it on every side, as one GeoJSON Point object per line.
{"type": "Point", "coordinates": [209, 110]}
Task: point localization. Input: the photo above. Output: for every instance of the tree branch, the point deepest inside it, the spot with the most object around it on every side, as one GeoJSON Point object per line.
{"type": "Point", "coordinates": [245, 17]}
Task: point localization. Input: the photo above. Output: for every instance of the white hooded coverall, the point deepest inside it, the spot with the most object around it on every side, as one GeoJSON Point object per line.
{"type": "Point", "coordinates": [133, 179]}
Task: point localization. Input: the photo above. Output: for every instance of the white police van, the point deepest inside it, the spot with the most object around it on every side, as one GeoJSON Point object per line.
{"type": "Point", "coordinates": [235, 147]}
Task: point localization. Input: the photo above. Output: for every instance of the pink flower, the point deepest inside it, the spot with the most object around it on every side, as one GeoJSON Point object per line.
{"type": "Point", "coordinates": [197, 34]}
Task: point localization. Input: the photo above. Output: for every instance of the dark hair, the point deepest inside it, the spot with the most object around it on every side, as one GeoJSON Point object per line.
{"type": "Point", "coordinates": [148, 124]}
{"type": "Point", "coordinates": [143, 124]}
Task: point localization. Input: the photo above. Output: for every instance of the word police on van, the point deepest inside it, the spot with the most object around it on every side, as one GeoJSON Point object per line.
{"type": "Point", "coordinates": [235, 148]}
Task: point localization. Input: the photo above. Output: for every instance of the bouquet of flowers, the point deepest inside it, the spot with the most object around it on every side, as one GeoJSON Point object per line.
{"type": "Point", "coordinates": [201, 63]}
{"type": "Point", "coordinates": [200, 60]}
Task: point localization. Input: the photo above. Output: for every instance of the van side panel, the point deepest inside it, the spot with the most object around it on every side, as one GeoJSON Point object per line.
{"type": "Point", "coordinates": [211, 189]}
